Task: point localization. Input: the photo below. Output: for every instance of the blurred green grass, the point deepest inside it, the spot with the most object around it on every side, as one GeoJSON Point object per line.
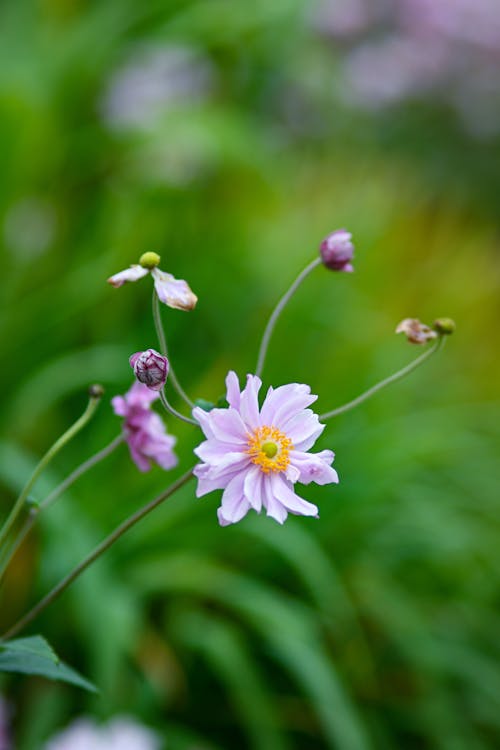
{"type": "Point", "coordinates": [375, 627]}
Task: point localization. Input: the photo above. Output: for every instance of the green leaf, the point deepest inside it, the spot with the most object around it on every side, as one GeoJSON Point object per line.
{"type": "Point", "coordinates": [34, 655]}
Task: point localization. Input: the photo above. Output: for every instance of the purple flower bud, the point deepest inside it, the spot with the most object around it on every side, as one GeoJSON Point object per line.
{"type": "Point", "coordinates": [150, 368]}
{"type": "Point", "coordinates": [337, 250]}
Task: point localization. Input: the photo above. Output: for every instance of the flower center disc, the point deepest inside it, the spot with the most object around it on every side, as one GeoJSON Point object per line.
{"type": "Point", "coordinates": [269, 448]}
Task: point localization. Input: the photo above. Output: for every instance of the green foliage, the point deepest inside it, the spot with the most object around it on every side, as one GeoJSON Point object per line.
{"type": "Point", "coordinates": [374, 627]}
{"type": "Point", "coordinates": [34, 656]}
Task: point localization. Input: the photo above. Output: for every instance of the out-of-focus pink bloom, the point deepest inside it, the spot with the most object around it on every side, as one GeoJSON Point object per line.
{"type": "Point", "coordinates": [256, 455]}
{"type": "Point", "coordinates": [144, 431]}
{"type": "Point", "coordinates": [4, 733]}
{"type": "Point", "coordinates": [337, 250]}
{"type": "Point", "coordinates": [150, 368]}
{"type": "Point", "coordinates": [121, 733]}
{"type": "Point", "coordinates": [415, 331]}
{"type": "Point", "coordinates": [171, 291]}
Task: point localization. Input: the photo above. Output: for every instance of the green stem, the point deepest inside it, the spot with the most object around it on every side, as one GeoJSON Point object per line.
{"type": "Point", "coordinates": [383, 383]}
{"type": "Point", "coordinates": [54, 495]}
{"type": "Point", "coordinates": [98, 551]}
{"type": "Point", "coordinates": [277, 312]}
{"type": "Point", "coordinates": [170, 409]}
{"type": "Point", "coordinates": [164, 350]}
{"type": "Point", "coordinates": [60, 443]}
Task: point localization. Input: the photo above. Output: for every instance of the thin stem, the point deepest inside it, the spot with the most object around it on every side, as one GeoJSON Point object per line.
{"type": "Point", "coordinates": [173, 411]}
{"type": "Point", "coordinates": [164, 350]}
{"type": "Point", "coordinates": [98, 551]}
{"type": "Point", "coordinates": [277, 311]}
{"type": "Point", "coordinates": [383, 383]}
{"type": "Point", "coordinates": [56, 447]}
{"type": "Point", "coordinates": [54, 495]}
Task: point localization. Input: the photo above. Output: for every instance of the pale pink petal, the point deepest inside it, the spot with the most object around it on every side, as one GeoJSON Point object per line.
{"type": "Point", "coordinates": [208, 481]}
{"type": "Point", "coordinates": [227, 426]}
{"type": "Point", "coordinates": [252, 488]}
{"type": "Point", "coordinates": [314, 467]}
{"type": "Point", "coordinates": [141, 396]}
{"type": "Point", "coordinates": [233, 460]}
{"type": "Point", "coordinates": [173, 292]}
{"type": "Point", "coordinates": [119, 406]}
{"type": "Point", "coordinates": [303, 429]}
{"type": "Point", "coordinates": [133, 273]}
{"type": "Point", "coordinates": [283, 403]}
{"type": "Point", "coordinates": [249, 402]}
{"type": "Point", "coordinates": [233, 390]}
{"type": "Point", "coordinates": [212, 451]}
{"type": "Point", "coordinates": [203, 419]}
{"type": "Point", "coordinates": [234, 504]}
{"type": "Point", "coordinates": [274, 508]}
{"type": "Point", "coordinates": [283, 492]}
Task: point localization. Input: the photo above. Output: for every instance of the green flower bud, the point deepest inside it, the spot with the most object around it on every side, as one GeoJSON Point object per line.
{"type": "Point", "coordinates": [149, 260]}
{"type": "Point", "coordinates": [444, 326]}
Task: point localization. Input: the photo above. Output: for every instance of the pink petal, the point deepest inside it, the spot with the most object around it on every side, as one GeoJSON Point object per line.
{"type": "Point", "coordinates": [252, 487]}
{"type": "Point", "coordinates": [234, 504]}
{"type": "Point", "coordinates": [133, 273]}
{"type": "Point", "coordinates": [233, 390]}
{"type": "Point", "coordinates": [283, 403]}
{"type": "Point", "coordinates": [284, 493]}
{"type": "Point", "coordinates": [173, 292]}
{"type": "Point", "coordinates": [314, 467]}
{"type": "Point", "coordinates": [226, 425]}
{"type": "Point", "coordinates": [249, 402]}
{"type": "Point", "coordinates": [303, 429]}
{"type": "Point", "coordinates": [274, 508]}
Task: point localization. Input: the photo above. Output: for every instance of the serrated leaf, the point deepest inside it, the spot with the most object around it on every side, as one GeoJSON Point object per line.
{"type": "Point", "coordinates": [35, 656]}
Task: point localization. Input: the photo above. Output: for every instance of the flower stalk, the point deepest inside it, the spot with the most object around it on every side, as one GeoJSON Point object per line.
{"type": "Point", "coordinates": [95, 395]}
{"type": "Point", "coordinates": [271, 324]}
{"type": "Point", "coordinates": [164, 350]}
{"type": "Point", "coordinates": [387, 381]}
{"type": "Point", "coordinates": [96, 553]}
{"type": "Point", "coordinates": [53, 496]}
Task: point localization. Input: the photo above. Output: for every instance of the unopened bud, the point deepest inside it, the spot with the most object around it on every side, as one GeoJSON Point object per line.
{"type": "Point", "coordinates": [337, 251]}
{"type": "Point", "coordinates": [415, 331]}
{"type": "Point", "coordinates": [149, 260]}
{"type": "Point", "coordinates": [150, 368]}
{"type": "Point", "coordinates": [444, 326]}
{"type": "Point", "coordinates": [96, 391]}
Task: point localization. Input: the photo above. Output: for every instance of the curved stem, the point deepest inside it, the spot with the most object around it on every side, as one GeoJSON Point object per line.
{"type": "Point", "coordinates": [277, 311]}
{"type": "Point", "coordinates": [164, 350]}
{"type": "Point", "coordinates": [98, 551]}
{"type": "Point", "coordinates": [383, 383]}
{"type": "Point", "coordinates": [173, 411]}
{"type": "Point", "coordinates": [57, 492]}
{"type": "Point", "coordinates": [56, 447]}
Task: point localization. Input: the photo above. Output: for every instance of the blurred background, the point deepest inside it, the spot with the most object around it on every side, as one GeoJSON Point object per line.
{"type": "Point", "coordinates": [230, 137]}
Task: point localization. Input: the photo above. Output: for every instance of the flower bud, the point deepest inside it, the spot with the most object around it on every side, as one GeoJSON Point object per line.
{"type": "Point", "coordinates": [150, 368]}
{"type": "Point", "coordinates": [444, 326]}
{"type": "Point", "coordinates": [149, 260]}
{"type": "Point", "coordinates": [415, 331]}
{"type": "Point", "coordinates": [96, 391]}
{"type": "Point", "coordinates": [337, 251]}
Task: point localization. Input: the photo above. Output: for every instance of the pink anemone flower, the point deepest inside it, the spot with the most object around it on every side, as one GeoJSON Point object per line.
{"type": "Point", "coordinates": [144, 431]}
{"type": "Point", "coordinates": [257, 454]}
{"type": "Point", "coordinates": [171, 291]}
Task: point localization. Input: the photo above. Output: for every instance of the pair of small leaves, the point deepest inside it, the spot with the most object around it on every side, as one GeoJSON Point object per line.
{"type": "Point", "coordinates": [35, 656]}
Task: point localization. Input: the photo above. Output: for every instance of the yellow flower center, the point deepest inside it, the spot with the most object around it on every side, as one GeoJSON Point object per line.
{"type": "Point", "coordinates": [269, 449]}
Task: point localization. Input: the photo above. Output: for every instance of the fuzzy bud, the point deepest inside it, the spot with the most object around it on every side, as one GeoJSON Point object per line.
{"type": "Point", "coordinates": [150, 368]}
{"type": "Point", "coordinates": [149, 260]}
{"type": "Point", "coordinates": [337, 251]}
{"type": "Point", "coordinates": [95, 391]}
{"type": "Point", "coordinates": [415, 331]}
{"type": "Point", "coordinates": [444, 326]}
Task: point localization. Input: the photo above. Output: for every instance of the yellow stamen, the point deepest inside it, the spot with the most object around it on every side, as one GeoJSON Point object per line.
{"type": "Point", "coordinates": [269, 449]}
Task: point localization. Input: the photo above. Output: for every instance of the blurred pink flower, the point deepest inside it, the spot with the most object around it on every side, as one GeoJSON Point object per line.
{"type": "Point", "coordinates": [144, 431]}
{"type": "Point", "coordinates": [171, 291]}
{"type": "Point", "coordinates": [119, 734]}
{"type": "Point", "coordinates": [256, 455]}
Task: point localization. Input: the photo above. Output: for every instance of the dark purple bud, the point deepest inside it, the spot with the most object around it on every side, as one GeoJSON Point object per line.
{"type": "Point", "coordinates": [337, 251]}
{"type": "Point", "coordinates": [150, 368]}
